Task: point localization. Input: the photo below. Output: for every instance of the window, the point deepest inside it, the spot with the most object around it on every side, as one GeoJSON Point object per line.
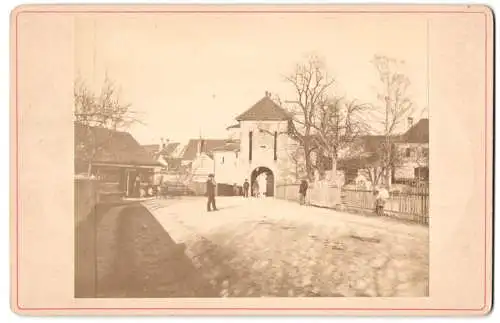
{"type": "Point", "coordinates": [250, 137]}
{"type": "Point", "coordinates": [408, 152]}
{"type": "Point", "coordinates": [421, 173]}
{"type": "Point", "coordinates": [425, 152]}
{"type": "Point", "coordinates": [275, 145]}
{"type": "Point", "coordinates": [222, 160]}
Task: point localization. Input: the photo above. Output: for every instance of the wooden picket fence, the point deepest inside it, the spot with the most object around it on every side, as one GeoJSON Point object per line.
{"type": "Point", "coordinates": [411, 205]}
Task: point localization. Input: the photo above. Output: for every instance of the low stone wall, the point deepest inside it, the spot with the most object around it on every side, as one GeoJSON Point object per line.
{"type": "Point", "coordinates": [86, 199]}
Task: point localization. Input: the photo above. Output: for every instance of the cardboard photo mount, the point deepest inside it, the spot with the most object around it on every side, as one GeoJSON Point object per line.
{"type": "Point", "coordinates": [460, 90]}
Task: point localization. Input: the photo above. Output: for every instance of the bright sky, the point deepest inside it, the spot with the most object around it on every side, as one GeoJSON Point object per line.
{"type": "Point", "coordinates": [194, 73]}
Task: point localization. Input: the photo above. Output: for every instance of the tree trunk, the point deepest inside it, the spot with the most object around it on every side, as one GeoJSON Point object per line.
{"type": "Point", "coordinates": [307, 157]}
{"type": "Point", "coordinates": [89, 169]}
{"type": "Point", "coordinates": [388, 156]}
{"type": "Point", "coordinates": [334, 168]}
{"type": "Point", "coordinates": [388, 180]}
{"type": "Point", "coordinates": [388, 170]}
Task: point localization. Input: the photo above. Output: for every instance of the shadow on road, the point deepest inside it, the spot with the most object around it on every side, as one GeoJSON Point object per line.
{"type": "Point", "coordinates": [144, 260]}
{"type": "Point", "coordinates": [137, 258]}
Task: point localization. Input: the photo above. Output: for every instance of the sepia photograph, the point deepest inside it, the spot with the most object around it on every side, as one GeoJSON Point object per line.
{"type": "Point", "coordinates": [235, 173]}
{"type": "Point", "coordinates": [251, 160]}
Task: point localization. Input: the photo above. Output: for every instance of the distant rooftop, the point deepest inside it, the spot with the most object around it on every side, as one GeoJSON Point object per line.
{"type": "Point", "coordinates": [234, 126]}
{"type": "Point", "coordinates": [207, 147]}
{"type": "Point", "coordinates": [229, 146]}
{"type": "Point", "coordinates": [418, 133]}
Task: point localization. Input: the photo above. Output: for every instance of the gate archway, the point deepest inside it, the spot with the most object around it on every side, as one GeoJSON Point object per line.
{"type": "Point", "coordinates": [269, 180]}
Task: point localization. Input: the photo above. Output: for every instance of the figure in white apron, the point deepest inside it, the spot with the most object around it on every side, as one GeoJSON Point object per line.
{"type": "Point", "coordinates": [262, 184]}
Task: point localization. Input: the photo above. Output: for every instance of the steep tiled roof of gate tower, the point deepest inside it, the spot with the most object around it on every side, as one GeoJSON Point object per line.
{"type": "Point", "coordinates": [265, 110]}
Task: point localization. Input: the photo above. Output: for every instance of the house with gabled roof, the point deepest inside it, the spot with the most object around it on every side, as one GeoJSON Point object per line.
{"type": "Point", "coordinates": [113, 156]}
{"type": "Point", "coordinates": [257, 147]}
{"type": "Point", "coordinates": [196, 147]}
{"type": "Point", "coordinates": [166, 153]}
{"type": "Point", "coordinates": [411, 150]}
{"type": "Point", "coordinates": [198, 157]}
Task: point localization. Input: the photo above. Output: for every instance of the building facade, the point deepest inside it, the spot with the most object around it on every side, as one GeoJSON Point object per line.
{"type": "Point", "coordinates": [258, 148]}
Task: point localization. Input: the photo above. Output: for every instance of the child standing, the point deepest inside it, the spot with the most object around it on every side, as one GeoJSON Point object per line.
{"type": "Point", "coordinates": [382, 195]}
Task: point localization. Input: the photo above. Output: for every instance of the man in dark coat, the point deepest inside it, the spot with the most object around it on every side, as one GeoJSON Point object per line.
{"type": "Point", "coordinates": [211, 193]}
{"type": "Point", "coordinates": [246, 187]}
{"type": "Point", "coordinates": [302, 191]}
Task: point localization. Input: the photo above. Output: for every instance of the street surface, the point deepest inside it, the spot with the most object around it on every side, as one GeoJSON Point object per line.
{"type": "Point", "coordinates": [258, 247]}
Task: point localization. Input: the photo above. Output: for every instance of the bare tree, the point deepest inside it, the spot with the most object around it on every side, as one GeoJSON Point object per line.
{"type": "Point", "coordinates": [277, 99]}
{"type": "Point", "coordinates": [183, 174]}
{"type": "Point", "coordinates": [376, 167]}
{"type": "Point", "coordinates": [338, 126]}
{"type": "Point", "coordinates": [311, 84]}
{"type": "Point", "coordinates": [94, 112]}
{"type": "Point", "coordinates": [396, 106]}
{"type": "Point", "coordinates": [294, 156]}
{"type": "Point", "coordinates": [422, 156]}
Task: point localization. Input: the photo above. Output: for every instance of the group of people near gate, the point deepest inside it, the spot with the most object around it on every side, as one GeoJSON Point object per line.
{"type": "Point", "coordinates": [381, 194]}
{"type": "Point", "coordinates": [255, 190]}
{"type": "Point", "coordinates": [258, 187]}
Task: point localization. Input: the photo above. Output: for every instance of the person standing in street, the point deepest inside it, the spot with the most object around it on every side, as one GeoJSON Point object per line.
{"type": "Point", "coordinates": [381, 197]}
{"type": "Point", "coordinates": [137, 186]}
{"type": "Point", "coordinates": [211, 193]}
{"type": "Point", "coordinates": [303, 191]}
{"type": "Point", "coordinates": [246, 187]}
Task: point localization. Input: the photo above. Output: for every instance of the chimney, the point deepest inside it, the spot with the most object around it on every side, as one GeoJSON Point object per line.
{"type": "Point", "coordinates": [198, 148]}
{"type": "Point", "coordinates": [410, 122]}
{"type": "Point", "coordinates": [268, 94]}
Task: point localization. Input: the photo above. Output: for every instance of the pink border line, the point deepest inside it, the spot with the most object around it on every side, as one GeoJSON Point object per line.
{"type": "Point", "coordinates": [248, 308]}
